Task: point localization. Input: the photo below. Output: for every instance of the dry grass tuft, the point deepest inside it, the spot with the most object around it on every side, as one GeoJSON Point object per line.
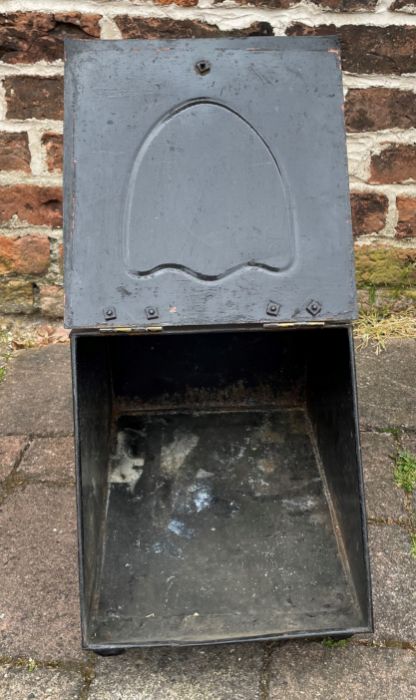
{"type": "Point", "coordinates": [376, 326]}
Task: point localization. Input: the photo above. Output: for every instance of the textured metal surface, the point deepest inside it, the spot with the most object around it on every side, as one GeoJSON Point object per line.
{"type": "Point", "coordinates": [206, 181]}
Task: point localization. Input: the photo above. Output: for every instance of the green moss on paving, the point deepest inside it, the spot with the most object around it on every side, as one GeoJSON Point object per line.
{"type": "Point", "coordinates": [413, 545]}
{"type": "Point", "coordinates": [378, 266]}
{"type": "Point", "coordinates": [330, 643]}
{"type": "Point", "coordinates": [405, 471]}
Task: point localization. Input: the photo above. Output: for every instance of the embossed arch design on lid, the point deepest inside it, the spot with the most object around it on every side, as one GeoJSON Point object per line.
{"type": "Point", "coordinates": [206, 196]}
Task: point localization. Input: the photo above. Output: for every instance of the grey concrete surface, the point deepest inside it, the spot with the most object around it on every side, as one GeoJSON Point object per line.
{"type": "Point", "coordinates": [313, 672]}
{"type": "Point", "coordinates": [11, 448]}
{"type": "Point", "coordinates": [39, 683]}
{"type": "Point", "coordinates": [209, 673]}
{"type": "Point", "coordinates": [35, 398]}
{"type": "Point", "coordinates": [49, 459]}
{"type": "Point", "coordinates": [383, 498]}
{"type": "Point", "coordinates": [393, 572]}
{"type": "Point", "coordinates": [38, 568]}
{"type": "Point", "coordinates": [386, 384]}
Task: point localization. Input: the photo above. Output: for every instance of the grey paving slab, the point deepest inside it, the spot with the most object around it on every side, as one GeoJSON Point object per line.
{"type": "Point", "coordinates": [35, 397]}
{"type": "Point", "coordinates": [383, 498]}
{"type": "Point", "coordinates": [39, 684]}
{"type": "Point", "coordinates": [387, 385]}
{"type": "Point", "coordinates": [11, 448]}
{"type": "Point", "coordinates": [313, 672]}
{"type": "Point", "coordinates": [38, 569]}
{"type": "Point", "coordinates": [49, 459]}
{"type": "Point", "coordinates": [208, 673]}
{"type": "Point", "coordinates": [393, 572]}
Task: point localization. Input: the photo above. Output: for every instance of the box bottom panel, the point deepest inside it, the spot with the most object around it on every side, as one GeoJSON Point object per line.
{"type": "Point", "coordinates": [218, 526]}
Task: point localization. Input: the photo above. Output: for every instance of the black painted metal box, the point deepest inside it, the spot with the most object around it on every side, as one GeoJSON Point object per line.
{"type": "Point", "coordinates": [210, 288]}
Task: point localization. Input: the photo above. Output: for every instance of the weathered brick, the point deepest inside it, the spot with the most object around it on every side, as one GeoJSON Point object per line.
{"type": "Point", "coordinates": [384, 266]}
{"type": "Point", "coordinates": [369, 211]}
{"type": "Point", "coordinates": [368, 49]}
{"type": "Point", "coordinates": [27, 255]}
{"type": "Point", "coordinates": [155, 28]}
{"type": "Point", "coordinates": [32, 97]}
{"type": "Point", "coordinates": [27, 37]}
{"type": "Point", "coordinates": [403, 4]}
{"type": "Point", "coordinates": [32, 204]}
{"type": "Point", "coordinates": [16, 296]}
{"type": "Point", "coordinates": [380, 108]}
{"type": "Point", "coordinates": [53, 144]}
{"type": "Point", "coordinates": [395, 163]}
{"type": "Point", "coordinates": [406, 224]}
{"type": "Point", "coordinates": [61, 257]}
{"type": "Point", "coordinates": [14, 151]}
{"type": "Point", "coordinates": [51, 300]}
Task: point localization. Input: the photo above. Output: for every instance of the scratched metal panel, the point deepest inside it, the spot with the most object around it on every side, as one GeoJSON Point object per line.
{"type": "Point", "coordinates": [206, 183]}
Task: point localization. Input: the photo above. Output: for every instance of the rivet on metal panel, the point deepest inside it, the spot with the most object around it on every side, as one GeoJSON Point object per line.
{"type": "Point", "coordinates": [272, 308]}
{"type": "Point", "coordinates": [151, 312]}
{"type": "Point", "coordinates": [314, 307]}
{"type": "Point", "coordinates": [110, 313]}
{"type": "Point", "coordinates": [203, 67]}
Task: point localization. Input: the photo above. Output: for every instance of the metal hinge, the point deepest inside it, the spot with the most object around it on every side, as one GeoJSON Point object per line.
{"type": "Point", "coordinates": [295, 324]}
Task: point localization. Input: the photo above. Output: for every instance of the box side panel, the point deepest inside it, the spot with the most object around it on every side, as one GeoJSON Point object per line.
{"type": "Point", "coordinates": [332, 403]}
{"type": "Point", "coordinates": [93, 405]}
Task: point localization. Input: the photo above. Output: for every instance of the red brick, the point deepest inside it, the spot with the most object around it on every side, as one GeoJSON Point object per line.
{"type": "Point", "coordinates": [368, 49]}
{"type": "Point", "coordinates": [51, 300]}
{"type": "Point", "coordinates": [155, 28]}
{"type": "Point", "coordinates": [396, 163]}
{"type": "Point", "coordinates": [32, 204]}
{"type": "Point", "coordinates": [27, 37]}
{"type": "Point", "coordinates": [406, 224]}
{"type": "Point", "coordinates": [14, 151]}
{"type": "Point", "coordinates": [369, 211]}
{"type": "Point", "coordinates": [53, 144]}
{"type": "Point", "coordinates": [32, 97]}
{"type": "Point", "coordinates": [27, 255]}
{"type": "Point", "coordinates": [380, 108]}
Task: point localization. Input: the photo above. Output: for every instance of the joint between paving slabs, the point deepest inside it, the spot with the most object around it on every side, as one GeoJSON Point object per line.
{"type": "Point", "coordinates": [265, 671]}
{"type": "Point", "coordinates": [16, 480]}
{"type": "Point", "coordinates": [85, 670]}
{"type": "Point", "coordinates": [397, 432]}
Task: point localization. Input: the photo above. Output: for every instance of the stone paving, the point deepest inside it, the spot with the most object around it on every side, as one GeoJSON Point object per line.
{"type": "Point", "coordinates": [40, 653]}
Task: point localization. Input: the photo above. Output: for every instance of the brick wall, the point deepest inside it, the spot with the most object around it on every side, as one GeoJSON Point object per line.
{"type": "Point", "coordinates": [379, 60]}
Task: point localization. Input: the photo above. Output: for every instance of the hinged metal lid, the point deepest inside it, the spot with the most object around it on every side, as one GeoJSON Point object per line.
{"type": "Point", "coordinates": [206, 183]}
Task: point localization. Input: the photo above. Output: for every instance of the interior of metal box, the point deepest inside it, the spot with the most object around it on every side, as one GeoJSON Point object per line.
{"type": "Point", "coordinates": [220, 486]}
